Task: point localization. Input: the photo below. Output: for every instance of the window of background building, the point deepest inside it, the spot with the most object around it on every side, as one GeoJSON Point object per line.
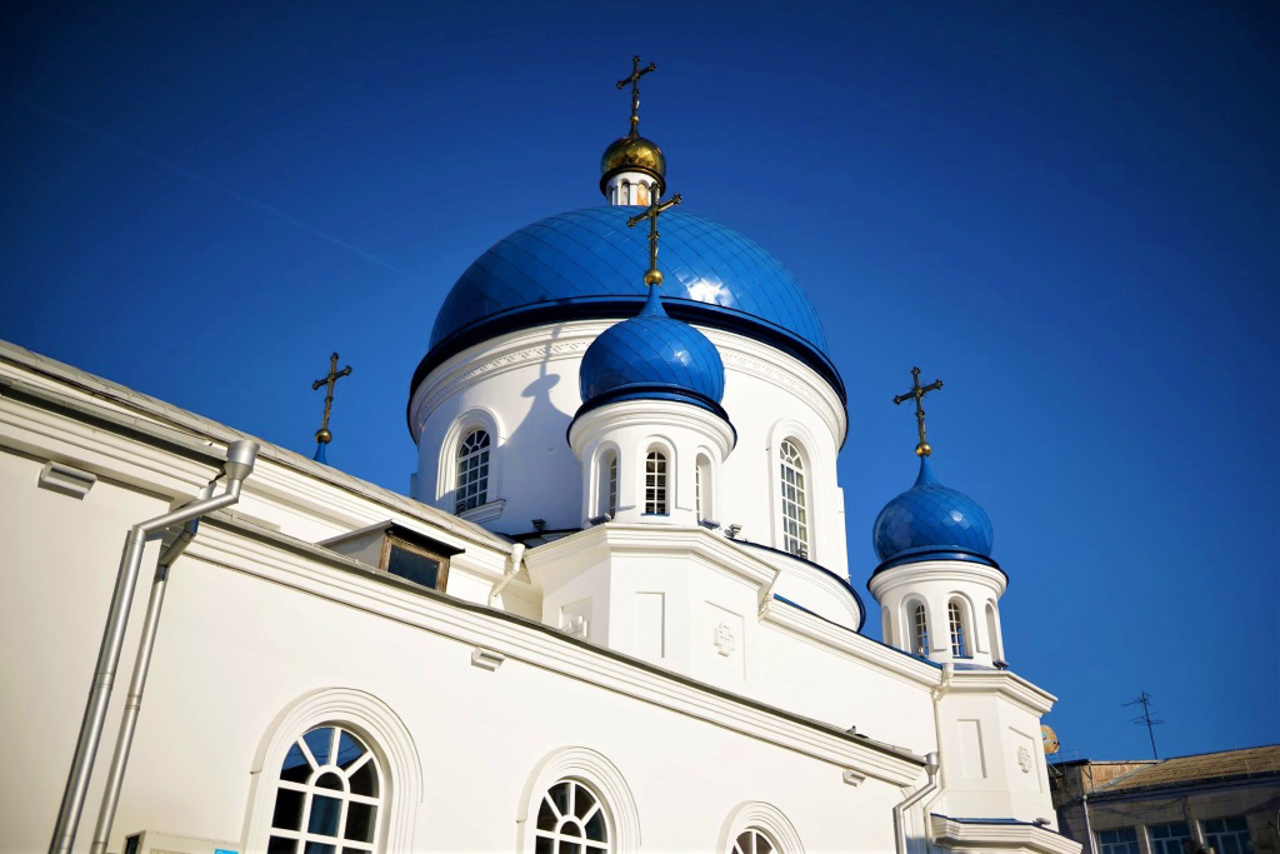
{"type": "Point", "coordinates": [1121, 840]}
{"type": "Point", "coordinates": [328, 796]}
{"type": "Point", "coordinates": [571, 820]}
{"type": "Point", "coordinates": [1167, 838]}
{"type": "Point", "coordinates": [1228, 835]}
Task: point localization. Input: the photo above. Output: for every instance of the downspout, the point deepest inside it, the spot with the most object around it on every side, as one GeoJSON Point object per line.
{"type": "Point", "coordinates": [241, 456]}
{"type": "Point", "coordinates": [133, 703]}
{"type": "Point", "coordinates": [948, 672]}
{"type": "Point", "coordinates": [517, 558]}
{"type": "Point", "coordinates": [1088, 825]}
{"type": "Point", "coordinates": [900, 811]}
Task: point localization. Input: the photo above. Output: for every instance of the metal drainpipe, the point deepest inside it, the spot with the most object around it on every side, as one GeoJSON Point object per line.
{"type": "Point", "coordinates": [241, 456]}
{"type": "Point", "coordinates": [948, 672]}
{"type": "Point", "coordinates": [1088, 825]}
{"type": "Point", "coordinates": [141, 666]}
{"type": "Point", "coordinates": [899, 812]}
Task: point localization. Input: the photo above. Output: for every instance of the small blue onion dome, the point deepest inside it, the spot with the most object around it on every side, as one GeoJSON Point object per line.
{"type": "Point", "coordinates": [932, 522]}
{"type": "Point", "coordinates": [652, 357]}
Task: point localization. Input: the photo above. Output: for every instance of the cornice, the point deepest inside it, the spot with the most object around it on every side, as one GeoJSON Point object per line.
{"type": "Point", "coordinates": [845, 642]}
{"type": "Point", "coordinates": [958, 571]}
{"type": "Point", "coordinates": [1007, 684]}
{"type": "Point", "coordinates": [651, 413]}
{"type": "Point", "coordinates": [557, 342]}
{"type": "Point", "coordinates": [1001, 835]}
{"type": "Point", "coordinates": [313, 571]}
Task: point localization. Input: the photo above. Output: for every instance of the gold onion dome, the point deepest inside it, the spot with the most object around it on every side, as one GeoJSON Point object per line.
{"type": "Point", "coordinates": [633, 153]}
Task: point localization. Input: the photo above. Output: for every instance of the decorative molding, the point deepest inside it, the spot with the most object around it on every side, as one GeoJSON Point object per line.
{"type": "Point", "coordinates": [316, 572]}
{"type": "Point", "coordinates": [724, 639]}
{"type": "Point", "coordinates": [765, 817]}
{"type": "Point", "coordinates": [487, 659]}
{"type": "Point", "coordinates": [980, 835]}
{"type": "Point", "coordinates": [590, 767]}
{"type": "Point", "coordinates": [380, 727]}
{"type": "Point", "coordinates": [58, 477]}
{"type": "Point", "coordinates": [1024, 760]}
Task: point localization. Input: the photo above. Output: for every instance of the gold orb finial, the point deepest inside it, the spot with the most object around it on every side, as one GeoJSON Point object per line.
{"type": "Point", "coordinates": [653, 277]}
{"type": "Point", "coordinates": [323, 436]}
{"type": "Point", "coordinates": [924, 449]}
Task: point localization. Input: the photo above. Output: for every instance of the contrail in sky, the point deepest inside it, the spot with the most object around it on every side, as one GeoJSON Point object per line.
{"type": "Point", "coordinates": [200, 179]}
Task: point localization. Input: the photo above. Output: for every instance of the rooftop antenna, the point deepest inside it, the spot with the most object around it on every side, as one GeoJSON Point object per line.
{"type": "Point", "coordinates": [1144, 700]}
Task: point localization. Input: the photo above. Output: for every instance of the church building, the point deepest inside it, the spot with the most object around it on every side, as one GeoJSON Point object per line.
{"type": "Point", "coordinates": [614, 614]}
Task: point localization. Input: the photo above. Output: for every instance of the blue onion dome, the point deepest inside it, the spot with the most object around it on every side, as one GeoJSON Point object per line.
{"type": "Point", "coordinates": [652, 357]}
{"type": "Point", "coordinates": [587, 264]}
{"type": "Point", "coordinates": [932, 522]}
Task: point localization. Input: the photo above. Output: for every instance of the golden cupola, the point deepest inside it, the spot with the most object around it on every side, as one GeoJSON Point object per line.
{"type": "Point", "coordinates": [633, 169]}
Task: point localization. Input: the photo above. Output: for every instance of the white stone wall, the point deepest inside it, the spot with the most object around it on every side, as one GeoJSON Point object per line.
{"type": "Point", "coordinates": [526, 383]}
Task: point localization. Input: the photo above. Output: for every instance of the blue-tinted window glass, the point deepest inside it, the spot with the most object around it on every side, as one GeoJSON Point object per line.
{"type": "Point", "coordinates": [1121, 840]}
{"type": "Point", "coordinates": [320, 741]}
{"type": "Point", "coordinates": [414, 566]}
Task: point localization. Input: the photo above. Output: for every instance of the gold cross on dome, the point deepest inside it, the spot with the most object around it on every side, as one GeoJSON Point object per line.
{"type": "Point", "coordinates": [636, 73]}
{"type": "Point", "coordinates": [323, 435]}
{"type": "Point", "coordinates": [653, 276]}
{"type": "Point", "coordinates": [918, 392]}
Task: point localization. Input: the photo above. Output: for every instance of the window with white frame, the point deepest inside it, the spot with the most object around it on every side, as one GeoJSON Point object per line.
{"type": "Point", "coordinates": [1167, 838]}
{"type": "Point", "coordinates": [1120, 840]}
{"type": "Point", "coordinates": [328, 796]}
{"type": "Point", "coordinates": [571, 820]}
{"type": "Point", "coordinates": [655, 483]}
{"type": "Point", "coordinates": [1228, 835]}
{"type": "Point", "coordinates": [608, 485]}
{"type": "Point", "coordinates": [795, 520]}
{"type": "Point", "coordinates": [473, 470]}
{"type": "Point", "coordinates": [919, 629]}
{"type": "Point", "coordinates": [752, 841]}
{"type": "Point", "coordinates": [959, 631]}
{"type": "Point", "coordinates": [702, 487]}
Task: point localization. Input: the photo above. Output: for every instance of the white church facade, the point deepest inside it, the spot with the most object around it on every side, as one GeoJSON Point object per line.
{"type": "Point", "coordinates": [614, 614]}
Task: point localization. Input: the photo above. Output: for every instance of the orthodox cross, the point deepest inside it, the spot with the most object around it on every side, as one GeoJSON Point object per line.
{"type": "Point", "coordinates": [653, 277]}
{"type": "Point", "coordinates": [323, 435]}
{"type": "Point", "coordinates": [918, 392]}
{"type": "Point", "coordinates": [636, 73]}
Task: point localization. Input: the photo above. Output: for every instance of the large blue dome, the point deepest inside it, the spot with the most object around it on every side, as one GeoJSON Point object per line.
{"type": "Point", "coordinates": [652, 357]}
{"type": "Point", "coordinates": [589, 264]}
{"type": "Point", "coordinates": [932, 522]}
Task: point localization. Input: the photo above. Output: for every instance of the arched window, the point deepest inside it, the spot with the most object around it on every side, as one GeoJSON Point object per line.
{"type": "Point", "coordinates": [626, 192]}
{"type": "Point", "coordinates": [919, 630]}
{"type": "Point", "coordinates": [473, 470]}
{"type": "Point", "coordinates": [607, 502]}
{"type": "Point", "coordinates": [655, 483]}
{"type": "Point", "coordinates": [328, 795]}
{"type": "Point", "coordinates": [642, 194]}
{"type": "Point", "coordinates": [753, 841]}
{"type": "Point", "coordinates": [959, 633]}
{"type": "Point", "coordinates": [795, 520]}
{"type": "Point", "coordinates": [993, 633]}
{"type": "Point", "coordinates": [702, 487]}
{"type": "Point", "coordinates": [571, 820]}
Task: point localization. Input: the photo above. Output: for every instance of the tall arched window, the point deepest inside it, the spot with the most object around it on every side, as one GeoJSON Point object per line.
{"type": "Point", "coordinates": [473, 470]}
{"type": "Point", "coordinates": [607, 503]}
{"type": "Point", "coordinates": [702, 487]}
{"type": "Point", "coordinates": [919, 630]}
{"type": "Point", "coordinates": [753, 841]}
{"type": "Point", "coordinates": [655, 483]}
{"type": "Point", "coordinates": [328, 796]}
{"type": "Point", "coordinates": [571, 820]}
{"type": "Point", "coordinates": [959, 635]}
{"type": "Point", "coordinates": [993, 633]}
{"type": "Point", "coordinates": [795, 520]}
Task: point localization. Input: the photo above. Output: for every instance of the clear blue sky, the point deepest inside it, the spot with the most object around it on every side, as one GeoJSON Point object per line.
{"type": "Point", "coordinates": [1067, 211]}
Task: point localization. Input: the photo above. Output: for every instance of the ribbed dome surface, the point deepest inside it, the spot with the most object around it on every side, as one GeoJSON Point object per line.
{"type": "Point", "coordinates": [589, 264]}
{"type": "Point", "coordinates": [929, 521]}
{"type": "Point", "coordinates": [652, 357]}
{"type": "Point", "coordinates": [633, 152]}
